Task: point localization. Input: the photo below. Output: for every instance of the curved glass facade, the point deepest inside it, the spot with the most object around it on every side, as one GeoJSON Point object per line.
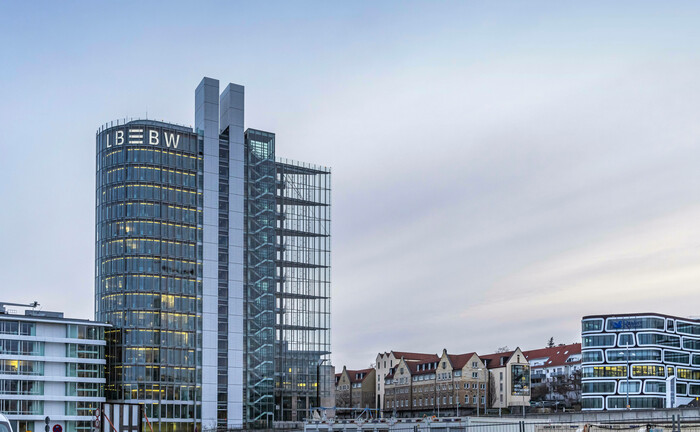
{"type": "Point", "coordinates": [647, 358]}
{"type": "Point", "coordinates": [148, 267]}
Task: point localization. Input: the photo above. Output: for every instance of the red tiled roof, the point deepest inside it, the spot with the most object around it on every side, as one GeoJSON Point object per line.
{"type": "Point", "coordinates": [556, 356]}
{"type": "Point", "coordinates": [353, 374]}
{"type": "Point", "coordinates": [494, 360]}
{"type": "Point", "coordinates": [459, 360]}
{"type": "Point", "coordinates": [410, 356]}
{"type": "Point", "coordinates": [429, 368]}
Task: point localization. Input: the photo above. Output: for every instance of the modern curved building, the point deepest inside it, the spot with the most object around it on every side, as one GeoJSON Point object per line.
{"type": "Point", "coordinates": [644, 360]}
{"type": "Point", "coordinates": [149, 272]}
{"type": "Point", "coordinates": [213, 267]}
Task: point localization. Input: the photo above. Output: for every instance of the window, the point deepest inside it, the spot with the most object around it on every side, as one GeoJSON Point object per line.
{"type": "Point", "coordinates": [625, 339]}
{"type": "Point", "coordinates": [598, 387]}
{"type": "Point", "coordinates": [655, 387]}
{"type": "Point", "coordinates": [598, 341]}
{"type": "Point", "coordinates": [592, 403]}
{"type": "Point", "coordinates": [684, 373]}
{"type": "Point", "coordinates": [659, 339]}
{"type": "Point", "coordinates": [474, 399]}
{"type": "Point", "coordinates": [592, 325]}
{"type": "Point", "coordinates": [475, 374]}
{"type": "Point", "coordinates": [592, 357]}
{"type": "Point", "coordinates": [466, 399]}
{"type": "Point", "coordinates": [636, 402]}
{"type": "Point", "coordinates": [620, 355]}
{"type": "Point", "coordinates": [648, 370]}
{"type": "Point", "coordinates": [604, 371]}
{"type": "Point", "coordinates": [688, 328]}
{"type": "Point", "coordinates": [634, 386]}
{"type": "Point", "coordinates": [676, 357]}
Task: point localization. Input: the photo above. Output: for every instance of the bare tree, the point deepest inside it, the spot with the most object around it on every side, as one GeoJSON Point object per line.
{"type": "Point", "coordinates": [503, 349]}
{"type": "Point", "coordinates": [493, 396]}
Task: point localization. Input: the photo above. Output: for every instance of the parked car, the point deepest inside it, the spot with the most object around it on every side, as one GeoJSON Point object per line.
{"type": "Point", "coordinates": [5, 424]}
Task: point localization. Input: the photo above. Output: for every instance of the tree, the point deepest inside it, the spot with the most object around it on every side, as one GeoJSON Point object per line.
{"type": "Point", "coordinates": [493, 395]}
{"type": "Point", "coordinates": [503, 349]}
{"type": "Point", "coordinates": [550, 344]}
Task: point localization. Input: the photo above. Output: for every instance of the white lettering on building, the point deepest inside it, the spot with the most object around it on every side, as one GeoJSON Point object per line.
{"type": "Point", "coordinates": [153, 137]}
{"type": "Point", "coordinates": [135, 136]}
{"type": "Point", "coordinates": [171, 139]}
{"type": "Point", "coordinates": [138, 136]}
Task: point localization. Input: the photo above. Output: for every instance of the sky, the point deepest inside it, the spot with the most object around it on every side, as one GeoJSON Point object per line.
{"type": "Point", "coordinates": [500, 169]}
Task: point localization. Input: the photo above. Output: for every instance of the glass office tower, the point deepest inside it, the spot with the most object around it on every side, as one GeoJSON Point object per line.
{"type": "Point", "coordinates": [213, 265]}
{"type": "Point", "coordinates": [148, 270]}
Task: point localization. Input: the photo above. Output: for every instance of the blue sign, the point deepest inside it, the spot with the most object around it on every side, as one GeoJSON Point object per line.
{"type": "Point", "coordinates": [628, 324]}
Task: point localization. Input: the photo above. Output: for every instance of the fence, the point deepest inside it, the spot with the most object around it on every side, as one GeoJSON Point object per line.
{"type": "Point", "coordinates": [672, 423]}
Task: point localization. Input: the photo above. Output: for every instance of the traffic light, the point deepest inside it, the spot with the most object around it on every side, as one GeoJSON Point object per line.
{"type": "Point", "coordinates": [47, 420]}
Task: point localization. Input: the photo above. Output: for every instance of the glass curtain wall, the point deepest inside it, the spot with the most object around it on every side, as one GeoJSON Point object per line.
{"type": "Point", "coordinates": [148, 267]}
{"type": "Point", "coordinates": [302, 325]}
{"type": "Point", "coordinates": [260, 217]}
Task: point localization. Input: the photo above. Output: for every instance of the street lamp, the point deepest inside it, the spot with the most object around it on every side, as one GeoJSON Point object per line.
{"type": "Point", "coordinates": [627, 358]}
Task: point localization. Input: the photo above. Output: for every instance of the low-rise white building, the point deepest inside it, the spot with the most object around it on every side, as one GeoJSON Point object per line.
{"type": "Point", "coordinates": [50, 366]}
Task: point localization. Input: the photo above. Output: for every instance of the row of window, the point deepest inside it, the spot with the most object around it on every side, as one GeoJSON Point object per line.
{"type": "Point", "coordinates": [153, 374]}
{"type": "Point", "coordinates": [21, 407]}
{"type": "Point", "coordinates": [84, 389]}
{"type": "Point", "coordinates": [159, 265]}
{"type": "Point", "coordinates": [609, 387]}
{"type": "Point", "coordinates": [83, 351]}
{"type": "Point", "coordinates": [145, 300]}
{"type": "Point", "coordinates": [621, 355]}
{"type": "Point", "coordinates": [153, 283]}
{"type": "Point", "coordinates": [641, 323]}
{"type": "Point", "coordinates": [171, 356]}
{"type": "Point", "coordinates": [149, 228]}
{"type": "Point", "coordinates": [640, 371]}
{"type": "Point", "coordinates": [156, 391]}
{"type": "Point", "coordinates": [21, 387]}
{"type": "Point", "coordinates": [150, 155]}
{"type": "Point", "coordinates": [168, 248]}
{"type": "Point", "coordinates": [21, 367]}
{"type": "Point", "coordinates": [168, 212]}
{"type": "Point", "coordinates": [143, 192]}
{"type": "Point", "coordinates": [85, 370]}
{"type": "Point", "coordinates": [17, 328]}
{"type": "Point", "coordinates": [146, 337]}
{"type": "Point", "coordinates": [79, 331]}
{"type": "Point", "coordinates": [81, 408]}
{"type": "Point", "coordinates": [446, 400]}
{"type": "Point", "coordinates": [151, 319]}
{"type": "Point", "coordinates": [144, 173]}
{"type": "Point", "coordinates": [21, 347]}
{"type": "Point", "coordinates": [620, 402]}
{"type": "Point", "coordinates": [664, 339]}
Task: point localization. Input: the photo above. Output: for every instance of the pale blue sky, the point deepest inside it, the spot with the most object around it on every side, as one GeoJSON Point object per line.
{"type": "Point", "coordinates": [500, 168]}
